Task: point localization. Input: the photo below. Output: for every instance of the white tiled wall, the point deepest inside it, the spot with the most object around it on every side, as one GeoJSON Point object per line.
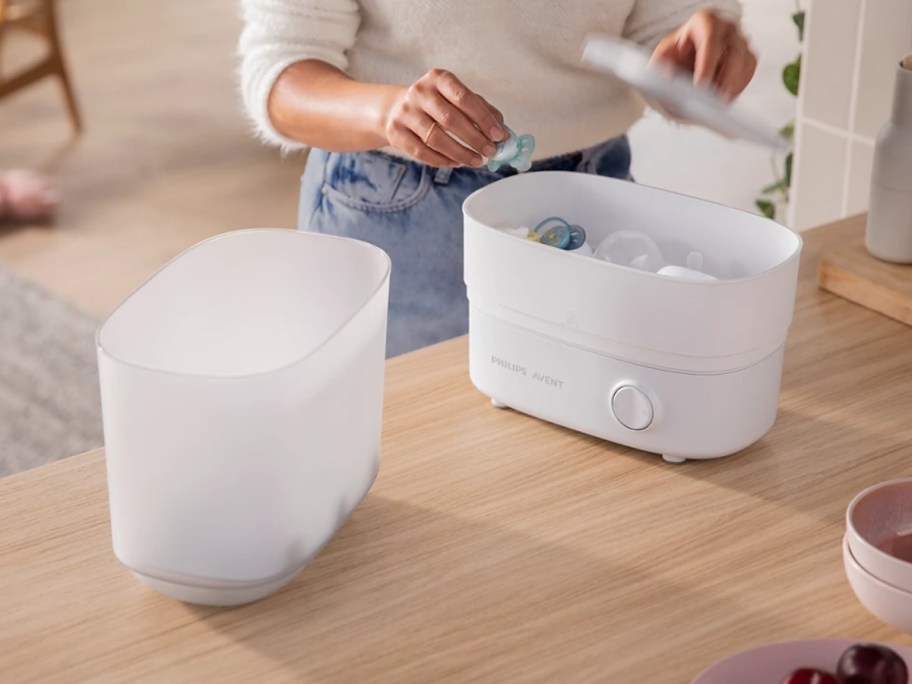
{"type": "Point", "coordinates": [851, 49]}
{"type": "Point", "coordinates": [829, 61]}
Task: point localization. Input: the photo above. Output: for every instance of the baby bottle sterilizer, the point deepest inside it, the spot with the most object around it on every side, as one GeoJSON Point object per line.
{"type": "Point", "coordinates": [655, 359]}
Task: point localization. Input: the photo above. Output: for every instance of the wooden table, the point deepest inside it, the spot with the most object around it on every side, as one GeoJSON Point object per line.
{"type": "Point", "coordinates": [494, 547]}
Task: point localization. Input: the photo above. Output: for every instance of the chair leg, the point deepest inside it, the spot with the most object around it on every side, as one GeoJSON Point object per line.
{"type": "Point", "coordinates": [60, 66]}
{"type": "Point", "coordinates": [2, 36]}
{"type": "Point", "coordinates": [69, 95]}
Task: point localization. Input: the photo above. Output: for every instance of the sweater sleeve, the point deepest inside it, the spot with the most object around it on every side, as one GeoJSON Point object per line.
{"type": "Point", "coordinates": [278, 33]}
{"type": "Point", "coordinates": [652, 20]}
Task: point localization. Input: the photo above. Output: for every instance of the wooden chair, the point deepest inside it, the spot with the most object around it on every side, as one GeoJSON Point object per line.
{"type": "Point", "coordinates": [38, 17]}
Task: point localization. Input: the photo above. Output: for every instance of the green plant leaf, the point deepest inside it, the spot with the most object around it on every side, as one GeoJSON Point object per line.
{"type": "Point", "coordinates": [788, 132]}
{"type": "Point", "coordinates": [778, 186]}
{"type": "Point", "coordinates": [798, 18]}
{"type": "Point", "coordinates": [791, 74]}
{"type": "Point", "coordinates": [788, 170]}
{"type": "Point", "coordinates": [767, 208]}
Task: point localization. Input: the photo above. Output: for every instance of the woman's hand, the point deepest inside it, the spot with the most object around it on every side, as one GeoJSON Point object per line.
{"type": "Point", "coordinates": [437, 104]}
{"type": "Point", "coordinates": [714, 49]}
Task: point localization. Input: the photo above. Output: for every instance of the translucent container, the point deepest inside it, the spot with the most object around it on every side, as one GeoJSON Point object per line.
{"type": "Point", "coordinates": [242, 391]}
{"type": "Point", "coordinates": [682, 367]}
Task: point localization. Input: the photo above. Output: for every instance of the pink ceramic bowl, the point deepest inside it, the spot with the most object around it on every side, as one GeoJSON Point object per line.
{"type": "Point", "coordinates": [886, 602]}
{"type": "Point", "coordinates": [879, 531]}
{"type": "Point", "coordinates": [771, 663]}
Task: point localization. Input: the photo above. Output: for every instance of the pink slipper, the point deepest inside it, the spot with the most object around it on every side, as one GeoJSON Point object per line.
{"type": "Point", "coordinates": [27, 196]}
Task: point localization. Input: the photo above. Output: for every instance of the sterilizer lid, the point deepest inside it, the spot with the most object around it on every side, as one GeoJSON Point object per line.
{"type": "Point", "coordinates": [673, 90]}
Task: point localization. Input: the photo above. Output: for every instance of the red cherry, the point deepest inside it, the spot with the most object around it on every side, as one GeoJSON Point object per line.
{"type": "Point", "coordinates": [871, 664]}
{"type": "Point", "coordinates": [807, 675]}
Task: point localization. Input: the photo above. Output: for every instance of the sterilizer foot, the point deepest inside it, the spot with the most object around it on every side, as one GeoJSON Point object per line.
{"type": "Point", "coordinates": [673, 459]}
{"type": "Point", "coordinates": [497, 403]}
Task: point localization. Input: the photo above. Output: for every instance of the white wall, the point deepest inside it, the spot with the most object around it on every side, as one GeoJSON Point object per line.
{"type": "Point", "coordinates": [700, 163]}
{"type": "Point", "coordinates": [852, 48]}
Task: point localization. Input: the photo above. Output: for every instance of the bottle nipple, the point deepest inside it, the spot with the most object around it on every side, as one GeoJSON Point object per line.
{"type": "Point", "coordinates": [631, 248]}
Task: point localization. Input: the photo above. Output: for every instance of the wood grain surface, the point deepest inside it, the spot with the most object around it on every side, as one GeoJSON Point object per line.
{"type": "Point", "coordinates": [497, 548]}
{"type": "Point", "coordinates": [850, 271]}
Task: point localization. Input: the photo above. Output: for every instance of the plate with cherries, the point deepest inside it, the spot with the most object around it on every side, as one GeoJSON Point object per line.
{"type": "Point", "coordinates": [814, 661]}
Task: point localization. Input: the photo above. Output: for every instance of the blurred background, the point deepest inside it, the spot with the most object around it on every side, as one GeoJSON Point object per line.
{"type": "Point", "coordinates": [166, 158]}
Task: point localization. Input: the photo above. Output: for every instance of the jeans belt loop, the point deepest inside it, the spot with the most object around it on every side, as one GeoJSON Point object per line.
{"type": "Point", "coordinates": [443, 175]}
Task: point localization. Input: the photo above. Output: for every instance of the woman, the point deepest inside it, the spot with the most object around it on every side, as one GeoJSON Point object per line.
{"type": "Point", "coordinates": [402, 101]}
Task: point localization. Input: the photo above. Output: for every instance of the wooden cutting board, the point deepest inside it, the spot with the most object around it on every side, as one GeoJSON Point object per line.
{"type": "Point", "coordinates": [851, 272]}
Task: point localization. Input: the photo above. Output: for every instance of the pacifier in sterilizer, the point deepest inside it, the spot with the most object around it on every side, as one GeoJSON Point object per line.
{"type": "Point", "coordinates": [557, 232]}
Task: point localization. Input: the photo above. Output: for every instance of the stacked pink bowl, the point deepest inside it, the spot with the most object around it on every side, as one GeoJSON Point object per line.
{"type": "Point", "coordinates": [877, 551]}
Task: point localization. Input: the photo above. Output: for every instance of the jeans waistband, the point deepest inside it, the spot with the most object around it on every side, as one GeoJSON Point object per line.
{"type": "Point", "coordinates": [568, 160]}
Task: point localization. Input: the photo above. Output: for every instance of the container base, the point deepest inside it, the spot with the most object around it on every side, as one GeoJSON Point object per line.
{"type": "Point", "coordinates": [216, 596]}
{"type": "Point", "coordinates": [680, 415]}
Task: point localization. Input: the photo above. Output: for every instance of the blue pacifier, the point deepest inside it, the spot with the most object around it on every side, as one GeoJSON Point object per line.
{"type": "Point", "coordinates": [554, 232]}
{"type": "Point", "coordinates": [515, 150]}
{"type": "Point", "coordinates": [577, 237]}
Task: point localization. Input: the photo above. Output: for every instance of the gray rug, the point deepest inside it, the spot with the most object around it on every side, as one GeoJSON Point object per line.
{"type": "Point", "coordinates": [49, 402]}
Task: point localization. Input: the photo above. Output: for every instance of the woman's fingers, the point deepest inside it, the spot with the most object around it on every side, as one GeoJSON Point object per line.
{"type": "Point", "coordinates": [714, 49]}
{"type": "Point", "coordinates": [473, 106]}
{"type": "Point", "coordinates": [454, 120]}
{"type": "Point", "coordinates": [435, 137]}
{"type": "Point", "coordinates": [674, 51]}
{"type": "Point", "coordinates": [401, 136]}
{"type": "Point", "coordinates": [709, 35]}
{"type": "Point", "coordinates": [737, 70]}
{"type": "Point", "coordinates": [494, 110]}
{"type": "Point", "coordinates": [427, 155]}
{"type": "Point", "coordinates": [439, 121]}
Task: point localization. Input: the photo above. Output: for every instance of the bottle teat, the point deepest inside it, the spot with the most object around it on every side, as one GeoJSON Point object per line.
{"type": "Point", "coordinates": [684, 273]}
{"type": "Point", "coordinates": [692, 270]}
{"type": "Point", "coordinates": [694, 261]}
{"type": "Point", "coordinates": [631, 248]}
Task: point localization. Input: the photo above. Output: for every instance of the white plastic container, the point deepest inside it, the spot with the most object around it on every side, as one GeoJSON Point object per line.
{"type": "Point", "coordinates": [242, 391]}
{"type": "Point", "coordinates": [683, 368]}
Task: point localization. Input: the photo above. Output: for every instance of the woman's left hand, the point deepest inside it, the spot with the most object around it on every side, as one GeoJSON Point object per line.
{"type": "Point", "coordinates": [714, 49]}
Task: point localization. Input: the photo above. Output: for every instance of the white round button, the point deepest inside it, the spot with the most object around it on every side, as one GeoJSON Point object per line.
{"type": "Point", "coordinates": [632, 408]}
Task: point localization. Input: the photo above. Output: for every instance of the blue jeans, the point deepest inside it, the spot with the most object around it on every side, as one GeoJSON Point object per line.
{"type": "Point", "coordinates": [414, 213]}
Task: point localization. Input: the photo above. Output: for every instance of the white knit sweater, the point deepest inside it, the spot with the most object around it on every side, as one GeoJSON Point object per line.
{"type": "Point", "coordinates": [523, 56]}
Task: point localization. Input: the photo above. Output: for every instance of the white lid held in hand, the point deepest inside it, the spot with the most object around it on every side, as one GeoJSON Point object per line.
{"type": "Point", "coordinates": [673, 90]}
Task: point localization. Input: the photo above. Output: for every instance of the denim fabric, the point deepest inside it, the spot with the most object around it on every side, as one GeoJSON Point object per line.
{"type": "Point", "coordinates": [414, 213]}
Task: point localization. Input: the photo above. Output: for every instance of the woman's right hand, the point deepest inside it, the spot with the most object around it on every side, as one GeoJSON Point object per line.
{"type": "Point", "coordinates": [438, 104]}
